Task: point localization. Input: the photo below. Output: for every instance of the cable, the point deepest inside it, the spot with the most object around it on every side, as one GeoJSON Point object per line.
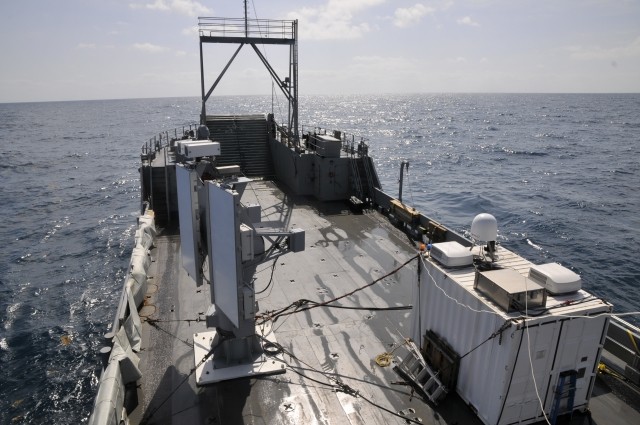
{"type": "Point", "coordinates": [533, 375]}
{"type": "Point", "coordinates": [338, 384]}
{"type": "Point", "coordinates": [264, 49]}
{"type": "Point", "coordinates": [154, 323]}
{"type": "Point", "coordinates": [453, 299]}
{"type": "Point", "coordinates": [502, 328]}
{"type": "Point", "coordinates": [146, 418]}
{"type": "Point", "coordinates": [273, 268]}
{"type": "Point", "coordinates": [303, 302]}
{"type": "Point", "coordinates": [400, 307]}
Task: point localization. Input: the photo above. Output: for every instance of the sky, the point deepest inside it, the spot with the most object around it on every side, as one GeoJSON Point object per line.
{"type": "Point", "coordinates": [114, 49]}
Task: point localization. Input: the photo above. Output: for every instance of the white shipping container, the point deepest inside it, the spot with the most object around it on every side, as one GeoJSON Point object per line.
{"type": "Point", "coordinates": [498, 369]}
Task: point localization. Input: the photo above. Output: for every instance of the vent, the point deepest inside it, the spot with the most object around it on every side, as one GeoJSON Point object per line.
{"type": "Point", "coordinates": [537, 277]}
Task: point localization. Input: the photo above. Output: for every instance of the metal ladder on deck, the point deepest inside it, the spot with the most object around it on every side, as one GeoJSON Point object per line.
{"type": "Point", "coordinates": [357, 182]}
{"type": "Point", "coordinates": [421, 376]}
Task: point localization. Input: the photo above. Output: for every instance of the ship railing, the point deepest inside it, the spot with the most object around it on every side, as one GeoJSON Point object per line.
{"type": "Point", "coordinates": [120, 354]}
{"type": "Point", "coordinates": [251, 28]}
{"type": "Point", "coordinates": [166, 138]}
{"type": "Point", "coordinates": [352, 145]}
{"type": "Point", "coordinates": [621, 351]}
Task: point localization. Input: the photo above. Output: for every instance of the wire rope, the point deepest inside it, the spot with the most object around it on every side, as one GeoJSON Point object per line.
{"type": "Point", "coordinates": [302, 304]}
{"type": "Point", "coordinates": [533, 375]}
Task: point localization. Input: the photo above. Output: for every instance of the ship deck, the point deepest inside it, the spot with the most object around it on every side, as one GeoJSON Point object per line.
{"type": "Point", "coordinates": [331, 375]}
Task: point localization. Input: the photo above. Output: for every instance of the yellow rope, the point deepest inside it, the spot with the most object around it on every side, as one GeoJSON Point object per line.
{"type": "Point", "coordinates": [384, 359]}
{"type": "Point", "coordinates": [633, 341]}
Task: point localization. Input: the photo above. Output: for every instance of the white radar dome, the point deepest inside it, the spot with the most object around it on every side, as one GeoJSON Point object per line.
{"type": "Point", "coordinates": [484, 228]}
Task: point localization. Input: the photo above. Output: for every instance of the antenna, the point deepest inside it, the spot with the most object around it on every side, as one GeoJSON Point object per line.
{"type": "Point", "coordinates": [246, 24]}
{"type": "Point", "coordinates": [263, 31]}
{"type": "Point", "coordinates": [484, 228]}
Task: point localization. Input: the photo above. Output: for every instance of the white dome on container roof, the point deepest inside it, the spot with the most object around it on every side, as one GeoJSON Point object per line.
{"type": "Point", "coordinates": [484, 228]}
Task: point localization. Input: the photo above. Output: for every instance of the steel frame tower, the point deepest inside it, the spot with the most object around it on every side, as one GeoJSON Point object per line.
{"type": "Point", "coordinates": [253, 32]}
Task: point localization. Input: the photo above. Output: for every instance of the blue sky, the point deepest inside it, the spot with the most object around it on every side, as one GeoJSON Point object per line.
{"type": "Point", "coordinates": [90, 49]}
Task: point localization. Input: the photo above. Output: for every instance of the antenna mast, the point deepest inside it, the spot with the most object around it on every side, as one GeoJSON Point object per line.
{"type": "Point", "coordinates": [260, 32]}
{"type": "Point", "coordinates": [246, 25]}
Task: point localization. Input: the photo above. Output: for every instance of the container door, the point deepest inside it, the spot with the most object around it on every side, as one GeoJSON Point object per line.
{"type": "Point", "coordinates": [579, 351]}
{"type": "Point", "coordinates": [535, 359]}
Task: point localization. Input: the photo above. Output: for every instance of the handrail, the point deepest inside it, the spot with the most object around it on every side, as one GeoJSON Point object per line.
{"type": "Point", "coordinates": [351, 144]}
{"type": "Point", "coordinates": [123, 339]}
{"type": "Point", "coordinates": [163, 139]}
{"type": "Point", "coordinates": [239, 27]}
{"type": "Point", "coordinates": [621, 351]}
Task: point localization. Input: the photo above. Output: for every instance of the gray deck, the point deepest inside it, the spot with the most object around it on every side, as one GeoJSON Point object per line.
{"type": "Point", "coordinates": [343, 252]}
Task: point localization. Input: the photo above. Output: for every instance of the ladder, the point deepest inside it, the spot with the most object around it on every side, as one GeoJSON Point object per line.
{"type": "Point", "coordinates": [357, 182]}
{"type": "Point", "coordinates": [420, 375]}
{"type": "Point", "coordinates": [562, 393]}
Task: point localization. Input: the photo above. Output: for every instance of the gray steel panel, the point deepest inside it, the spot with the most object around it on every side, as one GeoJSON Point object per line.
{"type": "Point", "coordinates": [187, 208]}
{"type": "Point", "coordinates": [223, 233]}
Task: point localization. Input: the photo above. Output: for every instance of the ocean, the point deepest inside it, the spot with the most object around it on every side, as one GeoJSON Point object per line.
{"type": "Point", "coordinates": [560, 172]}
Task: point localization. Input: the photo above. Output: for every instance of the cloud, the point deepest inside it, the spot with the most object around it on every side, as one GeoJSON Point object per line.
{"type": "Point", "coordinates": [468, 21]}
{"type": "Point", "coordinates": [150, 48]}
{"type": "Point", "coordinates": [629, 50]}
{"type": "Point", "coordinates": [86, 46]}
{"type": "Point", "coordinates": [406, 17]}
{"type": "Point", "coordinates": [191, 31]}
{"type": "Point", "coordinates": [184, 7]}
{"type": "Point", "coordinates": [333, 21]}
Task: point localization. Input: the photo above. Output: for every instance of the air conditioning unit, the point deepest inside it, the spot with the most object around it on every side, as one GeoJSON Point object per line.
{"type": "Point", "coordinates": [451, 254]}
{"type": "Point", "coordinates": [555, 278]}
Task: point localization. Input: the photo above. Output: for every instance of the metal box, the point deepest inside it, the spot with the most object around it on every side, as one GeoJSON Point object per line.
{"type": "Point", "coordinates": [510, 290]}
{"type": "Point", "coordinates": [199, 148]}
{"type": "Point", "coordinates": [296, 240]}
{"type": "Point", "coordinates": [248, 303]}
{"type": "Point", "coordinates": [326, 146]}
{"type": "Point", "coordinates": [254, 212]}
{"type": "Point", "coordinates": [246, 242]}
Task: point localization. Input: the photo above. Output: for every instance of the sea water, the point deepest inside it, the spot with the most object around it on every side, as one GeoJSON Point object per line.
{"type": "Point", "coordinates": [560, 172]}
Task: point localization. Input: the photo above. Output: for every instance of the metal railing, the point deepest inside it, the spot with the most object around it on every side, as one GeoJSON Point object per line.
{"type": "Point", "coordinates": [352, 145]}
{"type": "Point", "coordinates": [622, 349]}
{"type": "Point", "coordinates": [163, 139]}
{"type": "Point", "coordinates": [123, 339]}
{"type": "Point", "coordinates": [239, 27]}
